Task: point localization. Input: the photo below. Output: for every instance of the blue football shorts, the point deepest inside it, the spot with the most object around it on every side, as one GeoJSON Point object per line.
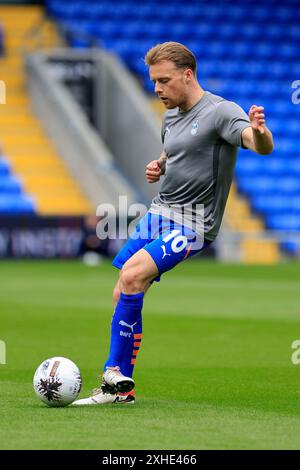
{"type": "Point", "coordinates": [167, 242]}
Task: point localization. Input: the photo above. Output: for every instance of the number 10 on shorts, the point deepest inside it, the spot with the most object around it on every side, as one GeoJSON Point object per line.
{"type": "Point", "coordinates": [179, 243]}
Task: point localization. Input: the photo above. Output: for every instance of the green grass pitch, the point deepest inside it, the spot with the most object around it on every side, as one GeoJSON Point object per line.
{"type": "Point", "coordinates": [214, 370]}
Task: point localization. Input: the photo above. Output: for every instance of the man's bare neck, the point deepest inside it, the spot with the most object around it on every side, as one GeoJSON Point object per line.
{"type": "Point", "coordinates": [193, 99]}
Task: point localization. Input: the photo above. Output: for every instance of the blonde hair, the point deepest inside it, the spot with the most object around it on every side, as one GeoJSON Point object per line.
{"type": "Point", "coordinates": [177, 53]}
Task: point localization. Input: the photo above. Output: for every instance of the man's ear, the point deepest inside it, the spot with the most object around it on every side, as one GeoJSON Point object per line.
{"type": "Point", "coordinates": [188, 75]}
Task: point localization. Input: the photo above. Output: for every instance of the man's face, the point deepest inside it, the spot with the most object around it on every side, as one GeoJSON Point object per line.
{"type": "Point", "coordinates": [170, 83]}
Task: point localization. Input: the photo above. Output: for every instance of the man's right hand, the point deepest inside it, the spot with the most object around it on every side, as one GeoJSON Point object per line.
{"type": "Point", "coordinates": [153, 171]}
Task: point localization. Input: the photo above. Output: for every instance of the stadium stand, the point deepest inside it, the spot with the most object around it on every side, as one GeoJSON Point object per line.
{"type": "Point", "coordinates": [248, 53]}
{"type": "Point", "coordinates": [33, 179]}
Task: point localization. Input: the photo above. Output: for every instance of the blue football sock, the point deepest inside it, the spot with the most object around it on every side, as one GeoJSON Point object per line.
{"type": "Point", "coordinates": [126, 333]}
{"type": "Point", "coordinates": [134, 344]}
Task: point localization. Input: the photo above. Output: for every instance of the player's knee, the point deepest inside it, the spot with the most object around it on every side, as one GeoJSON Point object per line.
{"type": "Point", "coordinates": [132, 280]}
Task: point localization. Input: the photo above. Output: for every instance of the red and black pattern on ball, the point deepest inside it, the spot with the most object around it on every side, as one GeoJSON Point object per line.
{"type": "Point", "coordinates": [49, 388]}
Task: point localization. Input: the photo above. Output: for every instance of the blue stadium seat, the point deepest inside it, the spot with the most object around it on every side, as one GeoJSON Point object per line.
{"type": "Point", "coordinates": [294, 204]}
{"type": "Point", "coordinates": [276, 167]}
{"type": "Point", "coordinates": [283, 222]}
{"type": "Point", "coordinates": [271, 204]}
{"type": "Point", "coordinates": [288, 185]}
{"type": "Point", "coordinates": [247, 166]}
{"type": "Point", "coordinates": [219, 49]}
{"type": "Point", "coordinates": [275, 32]}
{"type": "Point", "coordinates": [259, 14]}
{"type": "Point", "coordinates": [150, 12]}
{"type": "Point", "coordinates": [293, 164]}
{"type": "Point", "coordinates": [67, 10]}
{"type": "Point", "coordinates": [212, 12]}
{"type": "Point", "coordinates": [189, 12]}
{"type": "Point", "coordinates": [253, 69]}
{"type": "Point", "coordinates": [277, 70]}
{"type": "Point", "coordinates": [157, 32]}
{"type": "Point", "coordinates": [283, 14]}
{"type": "Point", "coordinates": [12, 204]}
{"type": "Point", "coordinates": [227, 31]}
{"type": "Point", "coordinates": [4, 167]}
{"type": "Point", "coordinates": [80, 43]}
{"type": "Point", "coordinates": [123, 48]}
{"type": "Point", "coordinates": [10, 185]}
{"type": "Point", "coordinates": [180, 31]}
{"type": "Point", "coordinates": [264, 184]}
{"type": "Point", "coordinates": [293, 32]}
{"type": "Point", "coordinates": [138, 66]}
{"type": "Point", "coordinates": [287, 51]}
{"type": "Point", "coordinates": [131, 29]}
{"type": "Point", "coordinates": [106, 29]}
{"type": "Point", "coordinates": [287, 146]}
{"type": "Point", "coordinates": [169, 12]}
{"type": "Point", "coordinates": [12, 199]}
{"type": "Point", "coordinates": [255, 184]}
{"type": "Point", "coordinates": [269, 166]}
{"type": "Point", "coordinates": [292, 247]}
{"type": "Point", "coordinates": [201, 30]}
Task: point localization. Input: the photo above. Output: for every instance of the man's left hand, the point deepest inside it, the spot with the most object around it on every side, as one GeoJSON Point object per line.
{"type": "Point", "coordinates": [257, 118]}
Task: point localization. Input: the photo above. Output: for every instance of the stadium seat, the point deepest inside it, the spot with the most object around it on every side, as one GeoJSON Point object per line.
{"type": "Point", "coordinates": [284, 223]}
{"type": "Point", "coordinates": [271, 204]}
{"type": "Point", "coordinates": [293, 164]}
{"type": "Point", "coordinates": [291, 247]}
{"type": "Point", "coordinates": [10, 185]}
{"type": "Point", "coordinates": [13, 205]}
{"type": "Point", "coordinates": [4, 167]}
{"type": "Point", "coordinates": [249, 166]}
{"type": "Point", "coordinates": [257, 184]}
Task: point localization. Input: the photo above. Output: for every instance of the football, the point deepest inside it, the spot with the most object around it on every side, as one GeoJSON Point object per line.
{"type": "Point", "coordinates": [57, 381]}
